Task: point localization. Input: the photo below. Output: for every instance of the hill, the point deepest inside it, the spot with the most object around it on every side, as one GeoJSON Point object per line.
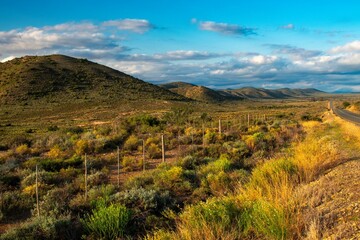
{"type": "Point", "coordinates": [195, 92]}
{"type": "Point", "coordinates": [59, 78]}
{"type": "Point", "coordinates": [283, 93]}
{"type": "Point", "coordinates": [202, 93]}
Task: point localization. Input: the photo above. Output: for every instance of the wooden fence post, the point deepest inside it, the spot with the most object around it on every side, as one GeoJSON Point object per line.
{"type": "Point", "coordinates": [163, 148]}
{"type": "Point", "coordinates": [37, 192]}
{"type": "Point", "coordinates": [143, 148]}
{"type": "Point", "coordinates": [85, 177]}
{"type": "Point", "coordinates": [118, 167]}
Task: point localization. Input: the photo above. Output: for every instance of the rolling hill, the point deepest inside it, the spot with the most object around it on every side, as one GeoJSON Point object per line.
{"type": "Point", "coordinates": [202, 93]}
{"type": "Point", "coordinates": [59, 78]}
{"type": "Point", "coordinates": [195, 92]}
{"type": "Point", "coordinates": [282, 93]}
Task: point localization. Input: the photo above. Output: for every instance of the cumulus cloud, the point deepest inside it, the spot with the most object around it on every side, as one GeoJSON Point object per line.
{"type": "Point", "coordinates": [133, 25]}
{"type": "Point", "coordinates": [347, 48]}
{"type": "Point", "coordinates": [77, 39]}
{"type": "Point", "coordinates": [225, 28]}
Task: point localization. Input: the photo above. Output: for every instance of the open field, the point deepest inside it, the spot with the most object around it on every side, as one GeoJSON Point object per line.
{"type": "Point", "coordinates": [254, 170]}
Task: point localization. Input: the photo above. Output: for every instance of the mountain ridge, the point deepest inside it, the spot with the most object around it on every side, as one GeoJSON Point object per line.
{"type": "Point", "coordinates": [185, 89]}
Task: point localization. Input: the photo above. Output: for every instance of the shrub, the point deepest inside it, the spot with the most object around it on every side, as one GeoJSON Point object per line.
{"type": "Point", "coordinates": [56, 201]}
{"type": "Point", "coordinates": [55, 152]}
{"type": "Point", "coordinates": [131, 143]}
{"type": "Point", "coordinates": [172, 179]}
{"type": "Point", "coordinates": [144, 199]}
{"type": "Point", "coordinates": [44, 228]}
{"type": "Point", "coordinates": [219, 183]}
{"type": "Point", "coordinates": [222, 164]}
{"type": "Point", "coordinates": [23, 149]}
{"type": "Point", "coordinates": [107, 222]}
{"type": "Point", "coordinates": [213, 219]}
{"type": "Point", "coordinates": [210, 136]}
{"type": "Point", "coordinates": [97, 178]}
{"type": "Point", "coordinates": [13, 203]}
{"type": "Point", "coordinates": [153, 151]}
{"type": "Point", "coordinates": [128, 163]}
{"type": "Point", "coordinates": [82, 146]}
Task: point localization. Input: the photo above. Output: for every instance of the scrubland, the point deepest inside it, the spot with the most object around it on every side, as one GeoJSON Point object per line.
{"type": "Point", "coordinates": [251, 180]}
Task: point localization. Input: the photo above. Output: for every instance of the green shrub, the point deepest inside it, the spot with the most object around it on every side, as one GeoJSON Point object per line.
{"type": "Point", "coordinates": [172, 179]}
{"type": "Point", "coordinates": [107, 222]}
{"type": "Point", "coordinates": [222, 164]}
{"type": "Point", "coordinates": [44, 228]}
{"type": "Point", "coordinates": [132, 143]}
{"type": "Point", "coordinates": [269, 220]}
{"type": "Point", "coordinates": [213, 219]}
{"type": "Point", "coordinates": [129, 163]}
{"type": "Point", "coordinates": [13, 203]}
{"type": "Point", "coordinates": [144, 199]}
{"type": "Point", "coordinates": [153, 151]}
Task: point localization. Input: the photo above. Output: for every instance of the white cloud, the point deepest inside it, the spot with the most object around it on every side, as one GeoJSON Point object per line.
{"type": "Point", "coordinates": [133, 25]}
{"type": "Point", "coordinates": [225, 28]}
{"type": "Point", "coordinates": [349, 47]}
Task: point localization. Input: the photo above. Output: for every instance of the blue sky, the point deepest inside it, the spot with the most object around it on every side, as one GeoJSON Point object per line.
{"type": "Point", "coordinates": [219, 44]}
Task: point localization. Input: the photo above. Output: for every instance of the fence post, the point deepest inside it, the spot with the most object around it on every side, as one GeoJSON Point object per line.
{"type": "Point", "coordinates": [37, 192]}
{"type": "Point", "coordinates": [143, 148]}
{"type": "Point", "coordinates": [219, 126]}
{"type": "Point", "coordinates": [85, 177]}
{"type": "Point", "coordinates": [118, 166]}
{"type": "Point", "coordinates": [163, 148]}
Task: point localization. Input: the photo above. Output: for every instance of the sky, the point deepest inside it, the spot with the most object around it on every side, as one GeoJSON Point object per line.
{"type": "Point", "coordinates": [218, 44]}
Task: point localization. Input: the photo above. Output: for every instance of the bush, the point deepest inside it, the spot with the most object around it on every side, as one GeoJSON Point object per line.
{"type": "Point", "coordinates": [131, 143]}
{"type": "Point", "coordinates": [23, 149]}
{"type": "Point", "coordinates": [213, 219]}
{"type": "Point", "coordinates": [13, 203]}
{"type": "Point", "coordinates": [144, 199]}
{"type": "Point", "coordinates": [44, 228]}
{"type": "Point", "coordinates": [55, 152]}
{"type": "Point", "coordinates": [107, 222]}
{"type": "Point", "coordinates": [82, 146]}
{"type": "Point", "coordinates": [153, 151]}
{"type": "Point", "coordinates": [129, 163]}
{"type": "Point", "coordinates": [172, 179]}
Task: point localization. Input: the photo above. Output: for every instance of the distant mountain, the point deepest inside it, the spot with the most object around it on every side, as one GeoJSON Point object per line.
{"type": "Point", "coordinates": [59, 78]}
{"type": "Point", "coordinates": [282, 93]}
{"type": "Point", "coordinates": [195, 92]}
{"type": "Point", "coordinates": [201, 93]}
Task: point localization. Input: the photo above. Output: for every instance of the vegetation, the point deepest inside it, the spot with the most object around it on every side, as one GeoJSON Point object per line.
{"type": "Point", "coordinates": [237, 178]}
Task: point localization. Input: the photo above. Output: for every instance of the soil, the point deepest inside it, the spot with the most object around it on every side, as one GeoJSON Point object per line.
{"type": "Point", "coordinates": [333, 202]}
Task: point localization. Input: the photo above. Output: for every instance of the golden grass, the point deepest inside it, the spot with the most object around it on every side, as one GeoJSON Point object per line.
{"type": "Point", "coordinates": [269, 206]}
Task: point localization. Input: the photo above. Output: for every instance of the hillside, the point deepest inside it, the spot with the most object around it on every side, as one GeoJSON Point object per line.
{"type": "Point", "coordinates": [59, 78]}
{"type": "Point", "coordinates": [195, 92]}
